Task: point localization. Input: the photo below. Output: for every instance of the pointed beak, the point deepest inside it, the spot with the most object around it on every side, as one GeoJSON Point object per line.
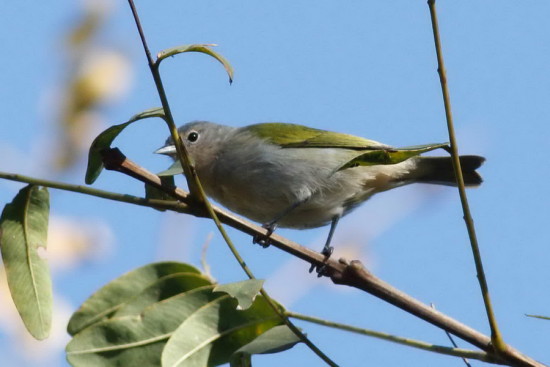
{"type": "Point", "coordinates": [167, 150]}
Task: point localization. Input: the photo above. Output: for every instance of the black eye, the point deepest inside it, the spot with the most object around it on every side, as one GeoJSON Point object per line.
{"type": "Point", "coordinates": [193, 136]}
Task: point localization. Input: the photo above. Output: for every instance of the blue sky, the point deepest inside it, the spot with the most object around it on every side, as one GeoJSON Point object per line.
{"type": "Point", "coordinates": [365, 68]}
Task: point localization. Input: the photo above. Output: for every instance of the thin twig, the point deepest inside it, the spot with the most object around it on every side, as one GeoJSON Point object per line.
{"type": "Point", "coordinates": [452, 340]}
{"type": "Point", "coordinates": [496, 336]}
{"type": "Point", "coordinates": [198, 194]}
{"type": "Point", "coordinates": [174, 205]}
{"type": "Point", "coordinates": [204, 252]}
{"type": "Point", "coordinates": [457, 352]}
{"type": "Point", "coordinates": [182, 153]}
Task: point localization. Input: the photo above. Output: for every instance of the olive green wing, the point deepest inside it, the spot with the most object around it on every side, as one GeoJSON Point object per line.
{"type": "Point", "coordinates": [298, 136]}
{"type": "Point", "coordinates": [389, 156]}
{"type": "Point", "coordinates": [369, 152]}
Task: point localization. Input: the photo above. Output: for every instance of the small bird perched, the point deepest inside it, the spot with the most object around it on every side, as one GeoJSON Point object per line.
{"type": "Point", "coordinates": [295, 176]}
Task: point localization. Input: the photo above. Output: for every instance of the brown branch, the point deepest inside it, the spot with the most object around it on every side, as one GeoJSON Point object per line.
{"type": "Point", "coordinates": [355, 275]}
{"type": "Point", "coordinates": [351, 273]}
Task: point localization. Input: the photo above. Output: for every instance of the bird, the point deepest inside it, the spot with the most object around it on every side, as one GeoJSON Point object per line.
{"type": "Point", "coordinates": [294, 176]}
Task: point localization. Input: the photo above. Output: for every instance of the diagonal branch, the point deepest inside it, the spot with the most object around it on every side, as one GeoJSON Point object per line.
{"type": "Point", "coordinates": [352, 274]}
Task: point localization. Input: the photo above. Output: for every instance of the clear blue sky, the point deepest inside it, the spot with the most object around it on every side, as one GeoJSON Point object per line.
{"type": "Point", "coordinates": [365, 68]}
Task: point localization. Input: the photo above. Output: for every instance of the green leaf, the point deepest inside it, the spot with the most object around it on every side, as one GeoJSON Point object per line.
{"type": "Point", "coordinates": [136, 340]}
{"type": "Point", "coordinates": [241, 360]}
{"type": "Point", "coordinates": [23, 239]}
{"type": "Point", "coordinates": [274, 340]}
{"type": "Point", "coordinates": [211, 335]}
{"type": "Point", "coordinates": [202, 48]}
{"type": "Point", "coordinates": [388, 156]}
{"type": "Point", "coordinates": [174, 169]}
{"type": "Point", "coordinates": [244, 292]}
{"type": "Point", "coordinates": [114, 295]}
{"type": "Point", "coordinates": [106, 138]}
{"type": "Point", "coordinates": [162, 289]}
{"type": "Point", "coordinates": [151, 192]}
{"type": "Point", "coordinates": [179, 313]}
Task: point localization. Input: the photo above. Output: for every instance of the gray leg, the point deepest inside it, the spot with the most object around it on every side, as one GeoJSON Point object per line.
{"type": "Point", "coordinates": [327, 249]}
{"type": "Point", "coordinates": [272, 224]}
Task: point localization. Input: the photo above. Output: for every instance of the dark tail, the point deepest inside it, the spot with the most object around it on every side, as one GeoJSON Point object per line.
{"type": "Point", "coordinates": [439, 170]}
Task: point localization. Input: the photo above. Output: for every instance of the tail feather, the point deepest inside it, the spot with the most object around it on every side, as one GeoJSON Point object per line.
{"type": "Point", "coordinates": [439, 170]}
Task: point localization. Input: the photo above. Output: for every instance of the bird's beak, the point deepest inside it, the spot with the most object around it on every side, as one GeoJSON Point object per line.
{"type": "Point", "coordinates": [167, 150]}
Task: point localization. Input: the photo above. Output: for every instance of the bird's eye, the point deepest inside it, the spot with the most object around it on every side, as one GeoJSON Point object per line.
{"type": "Point", "coordinates": [193, 136]}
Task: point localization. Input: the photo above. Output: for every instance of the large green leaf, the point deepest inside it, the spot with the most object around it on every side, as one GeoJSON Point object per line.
{"type": "Point", "coordinates": [143, 318]}
{"type": "Point", "coordinates": [106, 138]}
{"type": "Point", "coordinates": [114, 295]}
{"type": "Point", "coordinates": [162, 289]}
{"type": "Point", "coordinates": [23, 237]}
{"type": "Point", "coordinates": [211, 335]}
{"type": "Point", "coordinates": [202, 48]}
{"type": "Point", "coordinates": [136, 340]}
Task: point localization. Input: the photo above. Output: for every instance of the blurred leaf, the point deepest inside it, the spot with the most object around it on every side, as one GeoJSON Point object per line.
{"type": "Point", "coordinates": [105, 139]}
{"type": "Point", "coordinates": [244, 292]}
{"type": "Point", "coordinates": [94, 74]}
{"type": "Point", "coordinates": [274, 340]}
{"type": "Point", "coordinates": [135, 340]}
{"type": "Point", "coordinates": [211, 335]}
{"type": "Point", "coordinates": [174, 169]}
{"type": "Point", "coordinates": [388, 156]}
{"type": "Point", "coordinates": [151, 192]}
{"type": "Point", "coordinates": [205, 49]}
{"type": "Point", "coordinates": [23, 239]}
{"type": "Point", "coordinates": [88, 26]}
{"type": "Point", "coordinates": [112, 296]}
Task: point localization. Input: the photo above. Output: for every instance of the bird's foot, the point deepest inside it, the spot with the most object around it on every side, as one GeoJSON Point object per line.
{"type": "Point", "coordinates": [321, 269]}
{"type": "Point", "coordinates": [327, 251]}
{"type": "Point", "coordinates": [264, 240]}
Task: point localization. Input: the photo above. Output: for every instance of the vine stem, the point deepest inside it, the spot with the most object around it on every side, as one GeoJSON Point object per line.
{"type": "Point", "coordinates": [197, 192]}
{"type": "Point", "coordinates": [183, 155]}
{"type": "Point", "coordinates": [457, 352]}
{"type": "Point", "coordinates": [175, 205]}
{"type": "Point", "coordinates": [496, 337]}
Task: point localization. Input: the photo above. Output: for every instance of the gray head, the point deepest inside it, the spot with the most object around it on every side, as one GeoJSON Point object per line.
{"type": "Point", "coordinates": [201, 138]}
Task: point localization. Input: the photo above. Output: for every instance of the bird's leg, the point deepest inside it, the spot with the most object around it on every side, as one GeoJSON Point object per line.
{"type": "Point", "coordinates": [327, 249]}
{"type": "Point", "coordinates": [263, 240]}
